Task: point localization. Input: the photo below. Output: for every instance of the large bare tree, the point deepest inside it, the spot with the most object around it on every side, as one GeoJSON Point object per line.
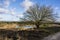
{"type": "Point", "coordinates": [39, 14]}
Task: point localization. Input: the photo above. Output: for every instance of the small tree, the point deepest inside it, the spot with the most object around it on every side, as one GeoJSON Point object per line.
{"type": "Point", "coordinates": [39, 14]}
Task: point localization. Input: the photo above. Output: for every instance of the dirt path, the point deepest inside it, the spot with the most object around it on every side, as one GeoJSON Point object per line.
{"type": "Point", "coordinates": [55, 36]}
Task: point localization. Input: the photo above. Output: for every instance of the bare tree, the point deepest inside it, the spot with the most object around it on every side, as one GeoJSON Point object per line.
{"type": "Point", "coordinates": [38, 14]}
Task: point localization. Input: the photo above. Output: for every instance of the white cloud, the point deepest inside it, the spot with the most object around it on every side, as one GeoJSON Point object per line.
{"type": "Point", "coordinates": [56, 8]}
{"type": "Point", "coordinates": [26, 4]}
{"type": "Point", "coordinates": [6, 3]}
{"type": "Point", "coordinates": [7, 11]}
{"type": "Point", "coordinates": [20, 15]}
{"type": "Point", "coordinates": [12, 11]}
{"type": "Point", "coordinates": [11, 14]}
{"type": "Point", "coordinates": [57, 11]}
{"type": "Point", "coordinates": [4, 7]}
{"type": "Point", "coordinates": [3, 10]}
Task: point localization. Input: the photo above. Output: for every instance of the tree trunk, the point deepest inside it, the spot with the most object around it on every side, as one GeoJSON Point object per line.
{"type": "Point", "coordinates": [37, 26]}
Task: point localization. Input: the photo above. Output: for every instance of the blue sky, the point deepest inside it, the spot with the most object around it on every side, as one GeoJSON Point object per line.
{"type": "Point", "coordinates": [11, 10]}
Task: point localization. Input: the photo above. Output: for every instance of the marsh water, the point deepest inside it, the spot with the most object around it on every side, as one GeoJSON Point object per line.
{"type": "Point", "coordinates": [55, 36]}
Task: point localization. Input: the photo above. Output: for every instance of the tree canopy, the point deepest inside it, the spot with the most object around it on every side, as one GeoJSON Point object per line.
{"type": "Point", "coordinates": [38, 14]}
